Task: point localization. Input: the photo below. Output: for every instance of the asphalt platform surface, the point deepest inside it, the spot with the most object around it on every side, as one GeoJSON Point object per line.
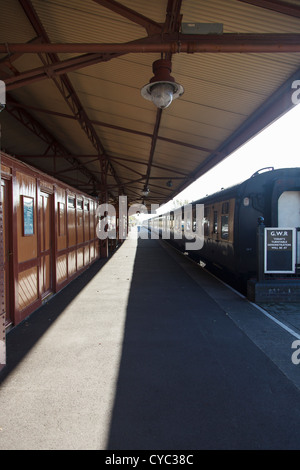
{"type": "Point", "coordinates": [148, 351]}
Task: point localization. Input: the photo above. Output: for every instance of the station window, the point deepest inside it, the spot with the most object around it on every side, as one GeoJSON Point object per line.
{"type": "Point", "coordinates": [61, 219]}
{"type": "Point", "coordinates": [71, 202]}
{"type": "Point", "coordinates": [28, 216]}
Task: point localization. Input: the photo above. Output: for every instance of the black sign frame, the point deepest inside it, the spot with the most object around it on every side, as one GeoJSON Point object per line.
{"type": "Point", "coordinates": [280, 250]}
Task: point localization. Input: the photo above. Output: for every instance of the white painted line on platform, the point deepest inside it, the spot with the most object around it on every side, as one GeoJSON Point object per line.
{"type": "Point", "coordinates": [285, 327]}
{"type": "Point", "coordinates": [282, 325]}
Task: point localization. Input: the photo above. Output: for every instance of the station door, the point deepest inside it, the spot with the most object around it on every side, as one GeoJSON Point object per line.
{"type": "Point", "coordinates": [7, 252]}
{"type": "Point", "coordinates": [45, 217]}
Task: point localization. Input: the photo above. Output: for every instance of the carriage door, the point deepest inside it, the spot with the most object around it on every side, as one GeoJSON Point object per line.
{"type": "Point", "coordinates": [45, 214]}
{"type": "Point", "coordinates": [7, 252]}
{"type": "Point", "coordinates": [289, 213]}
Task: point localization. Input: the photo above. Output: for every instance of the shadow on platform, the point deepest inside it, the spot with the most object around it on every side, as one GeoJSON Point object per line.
{"type": "Point", "coordinates": [188, 377]}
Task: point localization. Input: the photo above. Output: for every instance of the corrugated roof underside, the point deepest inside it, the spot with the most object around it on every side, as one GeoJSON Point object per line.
{"type": "Point", "coordinates": [221, 90]}
{"type": "Point", "coordinates": [238, 17]}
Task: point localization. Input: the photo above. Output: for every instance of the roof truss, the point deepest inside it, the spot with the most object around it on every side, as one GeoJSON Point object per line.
{"type": "Point", "coordinates": [164, 38]}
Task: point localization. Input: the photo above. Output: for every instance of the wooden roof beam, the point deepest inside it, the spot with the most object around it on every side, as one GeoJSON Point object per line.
{"type": "Point", "coordinates": [168, 43]}
{"type": "Point", "coordinates": [276, 5]}
{"type": "Point", "coordinates": [66, 89]}
{"type": "Point", "coordinates": [151, 26]}
{"type": "Point", "coordinates": [174, 43]}
{"type": "Point", "coordinates": [113, 126]}
{"type": "Point", "coordinates": [57, 148]}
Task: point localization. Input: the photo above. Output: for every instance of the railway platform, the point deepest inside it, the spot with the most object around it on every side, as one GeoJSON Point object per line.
{"type": "Point", "coordinates": [146, 350]}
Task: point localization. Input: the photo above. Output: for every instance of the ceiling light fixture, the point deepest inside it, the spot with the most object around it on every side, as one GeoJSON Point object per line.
{"type": "Point", "coordinates": [162, 89]}
{"type": "Point", "coordinates": [145, 191]}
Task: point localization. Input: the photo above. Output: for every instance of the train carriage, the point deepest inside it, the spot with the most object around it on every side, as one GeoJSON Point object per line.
{"type": "Point", "coordinates": [231, 216]}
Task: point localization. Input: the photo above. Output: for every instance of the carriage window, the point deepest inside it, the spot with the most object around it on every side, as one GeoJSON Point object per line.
{"type": "Point", "coordinates": [194, 219]}
{"type": "Point", "coordinates": [224, 227]}
{"type": "Point", "coordinates": [206, 221]}
{"type": "Point", "coordinates": [171, 220]}
{"type": "Point", "coordinates": [225, 208]}
{"type": "Point", "coordinates": [215, 229]}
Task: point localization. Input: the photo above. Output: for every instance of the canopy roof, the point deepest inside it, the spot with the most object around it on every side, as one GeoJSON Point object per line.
{"type": "Point", "coordinates": [74, 70]}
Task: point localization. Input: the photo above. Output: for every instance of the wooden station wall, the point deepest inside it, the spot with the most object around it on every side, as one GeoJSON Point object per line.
{"type": "Point", "coordinates": [49, 236]}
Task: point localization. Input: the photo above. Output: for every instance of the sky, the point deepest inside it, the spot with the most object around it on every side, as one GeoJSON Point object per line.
{"type": "Point", "coordinates": [277, 146]}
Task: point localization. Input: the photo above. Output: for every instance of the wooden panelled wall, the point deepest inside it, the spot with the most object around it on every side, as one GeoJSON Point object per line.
{"type": "Point", "coordinates": [49, 236]}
